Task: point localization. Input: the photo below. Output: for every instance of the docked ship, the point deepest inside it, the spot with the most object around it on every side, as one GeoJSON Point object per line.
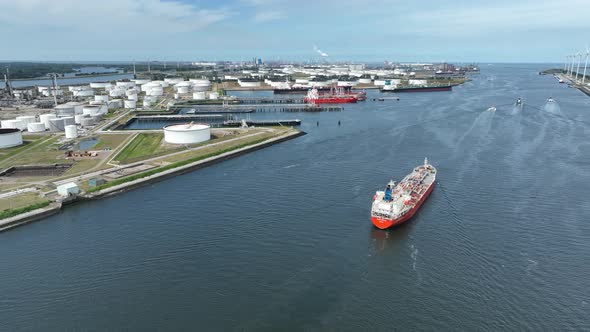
{"type": "Point", "coordinates": [298, 90]}
{"type": "Point", "coordinates": [426, 88]}
{"type": "Point", "coordinates": [398, 203]}
{"type": "Point", "coordinates": [334, 97]}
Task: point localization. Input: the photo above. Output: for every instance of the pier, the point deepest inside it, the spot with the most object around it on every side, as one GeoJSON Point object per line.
{"type": "Point", "coordinates": [249, 108]}
{"type": "Point", "coordinates": [262, 123]}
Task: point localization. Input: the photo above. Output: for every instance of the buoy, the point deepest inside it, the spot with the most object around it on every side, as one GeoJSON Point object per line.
{"type": "Point", "coordinates": [318, 123]}
{"type": "Point", "coordinates": [338, 122]}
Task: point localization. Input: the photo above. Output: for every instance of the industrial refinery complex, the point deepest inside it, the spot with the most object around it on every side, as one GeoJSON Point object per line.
{"type": "Point", "coordinates": [66, 140]}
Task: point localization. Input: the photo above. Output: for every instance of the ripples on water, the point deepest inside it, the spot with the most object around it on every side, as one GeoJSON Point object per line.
{"type": "Point", "coordinates": [280, 239]}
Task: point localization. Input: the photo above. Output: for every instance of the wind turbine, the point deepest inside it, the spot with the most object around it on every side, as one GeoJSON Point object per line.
{"type": "Point", "coordinates": [579, 60]}
{"type": "Point", "coordinates": [585, 64]}
{"type": "Point", "coordinates": [565, 63]}
{"type": "Point", "coordinates": [572, 64]}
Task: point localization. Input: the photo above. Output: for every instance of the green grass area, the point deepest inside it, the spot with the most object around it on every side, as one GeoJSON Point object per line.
{"type": "Point", "coordinates": [38, 152]}
{"type": "Point", "coordinates": [175, 165]}
{"type": "Point", "coordinates": [110, 141]}
{"type": "Point", "coordinates": [143, 145]}
{"type": "Point", "coordinates": [20, 201]}
{"type": "Point", "coordinates": [16, 211]}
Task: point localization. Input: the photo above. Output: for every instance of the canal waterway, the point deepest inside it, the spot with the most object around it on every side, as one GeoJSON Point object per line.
{"type": "Point", "coordinates": [280, 239]}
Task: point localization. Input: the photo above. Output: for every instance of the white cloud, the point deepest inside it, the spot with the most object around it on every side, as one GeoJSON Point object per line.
{"type": "Point", "coordinates": [117, 16]}
{"type": "Point", "coordinates": [269, 15]}
{"type": "Point", "coordinates": [513, 17]}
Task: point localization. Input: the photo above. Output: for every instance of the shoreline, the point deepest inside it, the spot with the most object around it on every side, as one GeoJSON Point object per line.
{"type": "Point", "coordinates": [54, 208]}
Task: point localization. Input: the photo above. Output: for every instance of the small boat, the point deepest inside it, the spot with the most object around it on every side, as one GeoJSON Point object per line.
{"type": "Point", "coordinates": [518, 101]}
{"type": "Point", "coordinates": [550, 100]}
{"type": "Point", "coordinates": [491, 109]}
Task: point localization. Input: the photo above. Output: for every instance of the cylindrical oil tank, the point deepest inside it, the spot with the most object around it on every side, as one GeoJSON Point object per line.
{"type": "Point", "coordinates": [11, 124]}
{"type": "Point", "coordinates": [173, 80]}
{"type": "Point", "coordinates": [87, 122]}
{"type": "Point", "coordinates": [130, 103]}
{"type": "Point", "coordinates": [97, 118]}
{"type": "Point", "coordinates": [201, 87]}
{"type": "Point", "coordinates": [91, 110]}
{"type": "Point", "coordinates": [64, 110]}
{"type": "Point", "coordinates": [214, 95]}
{"type": "Point", "coordinates": [10, 137]}
{"type": "Point", "coordinates": [116, 103]}
{"type": "Point", "coordinates": [163, 84]}
{"type": "Point", "coordinates": [56, 124]}
{"type": "Point", "coordinates": [156, 91]}
{"type": "Point", "coordinates": [68, 121]}
{"type": "Point", "coordinates": [364, 80]}
{"type": "Point", "coordinates": [71, 131]}
{"type": "Point", "coordinates": [147, 102]}
{"type": "Point", "coordinates": [102, 98]}
{"type": "Point", "coordinates": [84, 93]}
{"type": "Point", "coordinates": [132, 97]}
{"type": "Point", "coordinates": [141, 81]}
{"type": "Point", "coordinates": [131, 92]}
{"type": "Point", "coordinates": [199, 95]}
{"type": "Point", "coordinates": [182, 89]}
{"type": "Point", "coordinates": [36, 127]}
{"type": "Point", "coordinates": [117, 92]}
{"type": "Point", "coordinates": [125, 84]}
{"type": "Point", "coordinates": [45, 119]}
{"type": "Point", "coordinates": [78, 118]}
{"type": "Point", "coordinates": [100, 85]}
{"type": "Point", "coordinates": [26, 119]}
{"type": "Point", "coordinates": [190, 133]}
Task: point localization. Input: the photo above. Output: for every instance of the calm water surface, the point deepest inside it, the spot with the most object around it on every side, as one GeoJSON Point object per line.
{"type": "Point", "coordinates": [280, 239]}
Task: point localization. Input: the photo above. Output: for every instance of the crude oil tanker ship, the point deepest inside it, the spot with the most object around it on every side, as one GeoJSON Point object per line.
{"type": "Point", "coordinates": [338, 97]}
{"type": "Point", "coordinates": [399, 203]}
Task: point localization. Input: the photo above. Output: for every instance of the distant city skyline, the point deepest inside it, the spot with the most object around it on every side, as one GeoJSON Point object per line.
{"type": "Point", "coordinates": [379, 30]}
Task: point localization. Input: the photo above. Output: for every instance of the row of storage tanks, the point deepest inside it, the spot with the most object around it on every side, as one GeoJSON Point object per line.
{"type": "Point", "coordinates": [152, 89]}
{"type": "Point", "coordinates": [300, 82]}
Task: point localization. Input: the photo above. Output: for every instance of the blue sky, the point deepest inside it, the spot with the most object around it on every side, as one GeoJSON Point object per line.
{"type": "Point", "coordinates": [373, 30]}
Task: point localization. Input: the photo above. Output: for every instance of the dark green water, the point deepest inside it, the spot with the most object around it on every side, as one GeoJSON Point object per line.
{"type": "Point", "coordinates": [280, 239]}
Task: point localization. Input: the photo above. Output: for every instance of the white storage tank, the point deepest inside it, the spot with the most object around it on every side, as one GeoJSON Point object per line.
{"type": "Point", "coordinates": [132, 97]}
{"type": "Point", "coordinates": [125, 84]}
{"type": "Point", "coordinates": [56, 125]}
{"type": "Point", "coordinates": [10, 137]}
{"type": "Point", "coordinates": [102, 98]}
{"type": "Point", "coordinates": [214, 95]}
{"type": "Point", "coordinates": [100, 85]}
{"type": "Point", "coordinates": [26, 119]}
{"type": "Point", "coordinates": [91, 110]}
{"type": "Point", "coordinates": [182, 89]}
{"type": "Point", "coordinates": [78, 107]}
{"type": "Point", "coordinates": [173, 80]}
{"type": "Point", "coordinates": [64, 110]}
{"type": "Point", "coordinates": [141, 81]}
{"type": "Point", "coordinates": [199, 95]}
{"type": "Point", "coordinates": [190, 133]}
{"type": "Point", "coordinates": [156, 91]}
{"type": "Point", "coordinates": [11, 124]}
{"type": "Point", "coordinates": [78, 118]}
{"type": "Point", "coordinates": [130, 103]}
{"type": "Point", "coordinates": [116, 103]}
{"type": "Point", "coordinates": [84, 93]}
{"type": "Point", "coordinates": [116, 92]}
{"type": "Point", "coordinates": [68, 121]}
{"type": "Point", "coordinates": [36, 127]}
{"type": "Point", "coordinates": [45, 119]}
{"type": "Point", "coordinates": [71, 131]}
{"type": "Point", "coordinates": [147, 102]}
{"type": "Point", "coordinates": [365, 80]}
{"type": "Point", "coordinates": [87, 122]}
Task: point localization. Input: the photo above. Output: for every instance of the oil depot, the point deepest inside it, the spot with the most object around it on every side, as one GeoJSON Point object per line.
{"type": "Point", "coordinates": [188, 133]}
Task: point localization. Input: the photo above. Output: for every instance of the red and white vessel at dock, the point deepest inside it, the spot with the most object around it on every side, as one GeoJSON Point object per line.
{"type": "Point", "coordinates": [334, 97]}
{"type": "Point", "coordinates": [398, 203]}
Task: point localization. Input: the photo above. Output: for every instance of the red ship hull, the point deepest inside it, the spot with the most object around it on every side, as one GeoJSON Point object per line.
{"type": "Point", "coordinates": [386, 223]}
{"type": "Point", "coordinates": [331, 100]}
